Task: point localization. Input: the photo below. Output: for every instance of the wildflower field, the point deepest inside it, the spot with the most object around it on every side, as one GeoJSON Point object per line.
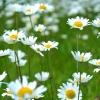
{"type": "Point", "coordinates": [49, 50]}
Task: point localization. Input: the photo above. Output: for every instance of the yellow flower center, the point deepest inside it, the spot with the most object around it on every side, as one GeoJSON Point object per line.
{"type": "Point", "coordinates": [70, 94]}
{"type": "Point", "coordinates": [29, 10]}
{"type": "Point", "coordinates": [13, 36]}
{"type": "Point", "coordinates": [98, 62]}
{"type": "Point", "coordinates": [23, 91]}
{"type": "Point", "coordinates": [78, 23]}
{"type": "Point", "coordinates": [82, 57]}
{"type": "Point", "coordinates": [42, 7]}
{"type": "Point", "coordinates": [48, 45]}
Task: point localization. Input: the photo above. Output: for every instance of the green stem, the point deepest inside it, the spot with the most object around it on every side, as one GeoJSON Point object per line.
{"type": "Point", "coordinates": [17, 65]}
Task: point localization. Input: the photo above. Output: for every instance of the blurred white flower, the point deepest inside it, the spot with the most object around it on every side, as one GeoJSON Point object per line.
{"type": "Point", "coordinates": [40, 28]}
{"type": "Point", "coordinates": [38, 48]}
{"type": "Point", "coordinates": [42, 76]}
{"type": "Point", "coordinates": [42, 7]}
{"type": "Point", "coordinates": [26, 90]}
{"type": "Point", "coordinates": [85, 37]}
{"type": "Point", "coordinates": [95, 62]}
{"type": "Point", "coordinates": [81, 57]}
{"type": "Point", "coordinates": [29, 40]}
{"type": "Point", "coordinates": [13, 57]}
{"type": "Point", "coordinates": [69, 91]}
{"type": "Point", "coordinates": [3, 75]}
{"type": "Point", "coordinates": [83, 78]}
{"type": "Point", "coordinates": [4, 52]}
{"type": "Point", "coordinates": [49, 45]}
{"type": "Point", "coordinates": [78, 22]}
{"type": "Point", "coordinates": [96, 70]}
{"type": "Point", "coordinates": [12, 36]}
{"type": "Point", "coordinates": [96, 22]}
{"type": "Point", "coordinates": [14, 7]}
{"type": "Point", "coordinates": [29, 9]}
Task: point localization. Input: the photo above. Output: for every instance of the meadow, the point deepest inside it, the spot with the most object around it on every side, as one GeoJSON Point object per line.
{"type": "Point", "coordinates": [56, 59]}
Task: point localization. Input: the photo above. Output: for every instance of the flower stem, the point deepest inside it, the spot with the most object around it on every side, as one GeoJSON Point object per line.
{"type": "Point", "coordinates": [17, 65]}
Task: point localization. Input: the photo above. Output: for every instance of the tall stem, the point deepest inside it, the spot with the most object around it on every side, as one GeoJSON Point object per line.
{"type": "Point", "coordinates": [31, 24]}
{"type": "Point", "coordinates": [17, 65]}
{"type": "Point", "coordinates": [77, 38]}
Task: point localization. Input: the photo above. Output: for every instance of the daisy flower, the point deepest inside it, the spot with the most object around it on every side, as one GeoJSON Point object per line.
{"type": "Point", "coordinates": [26, 90]}
{"type": "Point", "coordinates": [81, 57]}
{"type": "Point", "coordinates": [29, 9]}
{"type": "Point", "coordinates": [3, 75]}
{"type": "Point", "coordinates": [95, 62]}
{"type": "Point", "coordinates": [38, 48]}
{"type": "Point", "coordinates": [4, 52]}
{"type": "Point", "coordinates": [96, 70]}
{"type": "Point", "coordinates": [69, 91]}
{"type": "Point", "coordinates": [78, 22]}
{"type": "Point", "coordinates": [42, 76]}
{"type": "Point", "coordinates": [49, 45]}
{"type": "Point", "coordinates": [42, 7]}
{"type": "Point", "coordinates": [40, 28]}
{"type": "Point", "coordinates": [83, 78]}
{"type": "Point", "coordinates": [12, 36]}
{"type": "Point", "coordinates": [96, 22]}
{"type": "Point", "coordinates": [29, 40]}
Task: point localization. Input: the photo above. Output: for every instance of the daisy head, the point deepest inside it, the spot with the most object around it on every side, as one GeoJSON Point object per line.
{"type": "Point", "coordinates": [83, 78]}
{"type": "Point", "coordinates": [40, 28]}
{"type": "Point", "coordinates": [29, 40]}
{"type": "Point", "coordinates": [69, 91]}
{"type": "Point", "coordinates": [42, 76]}
{"type": "Point", "coordinates": [26, 90]}
{"type": "Point", "coordinates": [43, 7]}
{"type": "Point", "coordinates": [96, 70]}
{"type": "Point", "coordinates": [81, 57]}
{"type": "Point", "coordinates": [49, 45]}
{"type": "Point", "coordinates": [12, 36]}
{"type": "Point", "coordinates": [4, 52]}
{"type": "Point", "coordinates": [78, 22]}
{"type": "Point", "coordinates": [96, 22]}
{"type": "Point", "coordinates": [29, 9]}
{"type": "Point", "coordinates": [95, 62]}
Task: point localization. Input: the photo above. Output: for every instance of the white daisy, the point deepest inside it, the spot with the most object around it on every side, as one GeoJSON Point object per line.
{"type": "Point", "coordinates": [4, 52]}
{"type": "Point", "coordinates": [42, 76]}
{"type": "Point", "coordinates": [69, 91]}
{"type": "Point", "coordinates": [25, 90]}
{"type": "Point", "coordinates": [29, 40]}
{"type": "Point", "coordinates": [29, 9]}
{"type": "Point", "coordinates": [38, 48]}
{"type": "Point", "coordinates": [15, 7]}
{"type": "Point", "coordinates": [95, 62]}
{"type": "Point", "coordinates": [3, 75]}
{"type": "Point", "coordinates": [96, 22]}
{"type": "Point", "coordinates": [83, 78]}
{"type": "Point", "coordinates": [81, 57]}
{"type": "Point", "coordinates": [12, 36]}
{"type": "Point", "coordinates": [96, 70]}
{"type": "Point", "coordinates": [78, 22]}
{"type": "Point", "coordinates": [49, 45]}
{"type": "Point", "coordinates": [40, 28]}
{"type": "Point", "coordinates": [42, 7]}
